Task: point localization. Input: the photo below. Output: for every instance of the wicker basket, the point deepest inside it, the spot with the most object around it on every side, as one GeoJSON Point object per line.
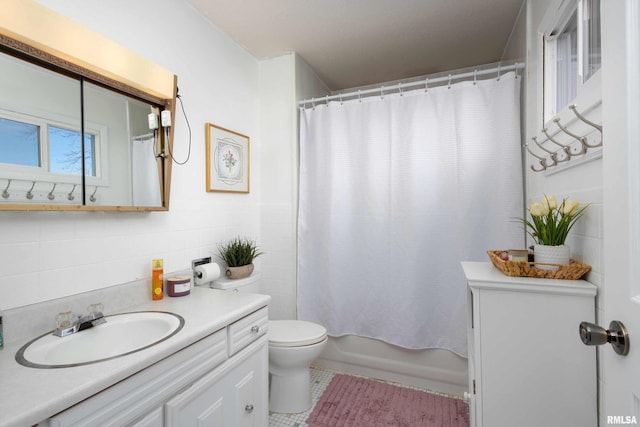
{"type": "Point", "coordinates": [572, 271]}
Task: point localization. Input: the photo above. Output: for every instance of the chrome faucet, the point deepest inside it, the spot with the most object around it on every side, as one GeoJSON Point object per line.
{"type": "Point", "coordinates": [68, 323]}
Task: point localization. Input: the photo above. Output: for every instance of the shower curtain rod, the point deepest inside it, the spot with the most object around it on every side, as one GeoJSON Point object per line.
{"type": "Point", "coordinates": [400, 86]}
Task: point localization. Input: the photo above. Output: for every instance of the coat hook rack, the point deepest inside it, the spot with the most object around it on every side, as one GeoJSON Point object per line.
{"type": "Point", "coordinates": [552, 154]}
{"type": "Point", "coordinates": [541, 160]}
{"type": "Point", "coordinates": [564, 129]}
{"type": "Point", "coordinates": [598, 127]}
{"type": "Point", "coordinates": [18, 185]}
{"type": "Point", "coordinates": [52, 196]}
{"type": "Point", "coordinates": [29, 194]}
{"type": "Point", "coordinates": [93, 195]}
{"type": "Point", "coordinates": [566, 150]}
{"type": "Point", "coordinates": [5, 193]}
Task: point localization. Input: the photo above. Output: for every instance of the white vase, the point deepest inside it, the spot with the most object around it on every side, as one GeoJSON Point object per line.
{"type": "Point", "coordinates": [551, 255]}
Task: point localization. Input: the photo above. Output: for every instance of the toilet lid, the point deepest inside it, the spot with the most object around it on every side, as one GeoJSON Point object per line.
{"type": "Point", "coordinates": [294, 333]}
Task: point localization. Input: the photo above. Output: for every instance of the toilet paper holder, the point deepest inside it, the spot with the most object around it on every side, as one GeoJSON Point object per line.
{"type": "Point", "coordinates": [195, 263]}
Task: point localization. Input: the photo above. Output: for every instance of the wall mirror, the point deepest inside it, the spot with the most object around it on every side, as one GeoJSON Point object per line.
{"type": "Point", "coordinates": [73, 138]}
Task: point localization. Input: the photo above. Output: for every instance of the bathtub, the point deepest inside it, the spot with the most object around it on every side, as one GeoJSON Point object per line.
{"type": "Point", "coordinates": [437, 370]}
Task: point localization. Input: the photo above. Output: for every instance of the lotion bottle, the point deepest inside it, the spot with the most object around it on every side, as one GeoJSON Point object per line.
{"type": "Point", "coordinates": [156, 280]}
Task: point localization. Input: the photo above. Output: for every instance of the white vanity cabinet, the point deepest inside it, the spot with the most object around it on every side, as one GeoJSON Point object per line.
{"type": "Point", "coordinates": [527, 364]}
{"type": "Point", "coordinates": [207, 383]}
{"type": "Point", "coordinates": [233, 395]}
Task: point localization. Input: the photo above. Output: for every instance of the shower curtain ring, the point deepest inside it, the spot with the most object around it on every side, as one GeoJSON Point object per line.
{"type": "Point", "coordinates": [313, 103]}
{"type": "Point", "coordinates": [400, 89]}
{"type": "Point", "coordinates": [449, 85]}
{"type": "Point", "coordinates": [340, 95]}
{"type": "Point", "coordinates": [475, 72]}
{"type": "Point", "coordinates": [426, 85]}
{"type": "Point", "coordinates": [499, 65]}
{"type": "Point", "coordinates": [382, 92]}
{"type": "Point", "coordinates": [359, 96]}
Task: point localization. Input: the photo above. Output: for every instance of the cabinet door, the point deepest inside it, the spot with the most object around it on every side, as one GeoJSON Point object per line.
{"type": "Point", "coordinates": [202, 404]}
{"type": "Point", "coordinates": [249, 384]}
{"type": "Point", "coordinates": [533, 369]}
{"type": "Point", "coordinates": [235, 395]}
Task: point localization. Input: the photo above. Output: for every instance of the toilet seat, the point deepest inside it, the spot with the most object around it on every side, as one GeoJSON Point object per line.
{"type": "Point", "coordinates": [294, 333]}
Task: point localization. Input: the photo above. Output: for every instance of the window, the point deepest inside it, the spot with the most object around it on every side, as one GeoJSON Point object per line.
{"type": "Point", "coordinates": [64, 152]}
{"type": "Point", "coordinates": [590, 38]}
{"type": "Point", "coordinates": [19, 143]}
{"type": "Point", "coordinates": [49, 146]}
{"type": "Point", "coordinates": [572, 55]}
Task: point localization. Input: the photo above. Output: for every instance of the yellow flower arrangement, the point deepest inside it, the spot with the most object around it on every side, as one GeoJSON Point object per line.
{"type": "Point", "coordinates": [550, 223]}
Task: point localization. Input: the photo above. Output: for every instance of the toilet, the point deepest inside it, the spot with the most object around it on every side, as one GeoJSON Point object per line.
{"type": "Point", "coordinates": [293, 345]}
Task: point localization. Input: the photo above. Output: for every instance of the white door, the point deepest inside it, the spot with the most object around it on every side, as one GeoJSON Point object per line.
{"type": "Point", "coordinates": [620, 293]}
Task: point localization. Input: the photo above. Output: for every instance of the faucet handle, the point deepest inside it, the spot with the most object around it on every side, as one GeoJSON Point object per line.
{"type": "Point", "coordinates": [65, 319]}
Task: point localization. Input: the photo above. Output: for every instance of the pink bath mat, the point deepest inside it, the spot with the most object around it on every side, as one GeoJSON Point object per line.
{"type": "Point", "coordinates": [352, 401]}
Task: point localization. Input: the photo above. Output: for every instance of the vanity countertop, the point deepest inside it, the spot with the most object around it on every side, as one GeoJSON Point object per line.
{"type": "Point", "coordinates": [30, 395]}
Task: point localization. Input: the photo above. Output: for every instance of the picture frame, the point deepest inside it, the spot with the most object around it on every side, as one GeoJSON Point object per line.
{"type": "Point", "coordinates": [228, 155]}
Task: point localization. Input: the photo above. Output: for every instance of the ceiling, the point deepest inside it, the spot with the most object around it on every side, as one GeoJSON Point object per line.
{"type": "Point", "coordinates": [351, 43]}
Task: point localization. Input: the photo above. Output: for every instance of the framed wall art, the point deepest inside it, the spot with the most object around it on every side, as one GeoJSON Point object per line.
{"type": "Point", "coordinates": [227, 160]}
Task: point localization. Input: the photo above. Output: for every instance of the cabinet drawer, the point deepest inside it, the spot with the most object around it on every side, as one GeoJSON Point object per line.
{"type": "Point", "coordinates": [246, 330]}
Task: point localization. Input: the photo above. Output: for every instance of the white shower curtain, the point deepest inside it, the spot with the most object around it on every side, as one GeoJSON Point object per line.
{"type": "Point", "coordinates": [394, 194]}
{"type": "Point", "coordinates": [145, 178]}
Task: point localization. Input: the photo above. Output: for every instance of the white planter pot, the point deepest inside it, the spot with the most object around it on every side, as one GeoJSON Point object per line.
{"type": "Point", "coordinates": [551, 255]}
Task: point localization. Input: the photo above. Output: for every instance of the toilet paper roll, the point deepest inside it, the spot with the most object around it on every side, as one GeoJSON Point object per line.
{"type": "Point", "coordinates": [206, 273]}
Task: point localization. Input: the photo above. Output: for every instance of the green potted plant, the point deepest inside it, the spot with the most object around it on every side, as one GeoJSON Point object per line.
{"type": "Point", "coordinates": [239, 254]}
{"type": "Point", "coordinates": [549, 227]}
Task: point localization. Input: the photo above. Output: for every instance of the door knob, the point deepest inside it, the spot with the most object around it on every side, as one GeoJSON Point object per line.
{"type": "Point", "coordinates": [617, 335]}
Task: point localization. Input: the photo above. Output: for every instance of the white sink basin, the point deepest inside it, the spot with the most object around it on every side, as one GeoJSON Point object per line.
{"type": "Point", "coordinates": [121, 335]}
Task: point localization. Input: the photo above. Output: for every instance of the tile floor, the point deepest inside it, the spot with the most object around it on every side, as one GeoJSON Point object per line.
{"type": "Point", "coordinates": [320, 379]}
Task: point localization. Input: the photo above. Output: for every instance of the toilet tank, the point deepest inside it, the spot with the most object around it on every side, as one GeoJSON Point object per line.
{"type": "Point", "coordinates": [248, 284]}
